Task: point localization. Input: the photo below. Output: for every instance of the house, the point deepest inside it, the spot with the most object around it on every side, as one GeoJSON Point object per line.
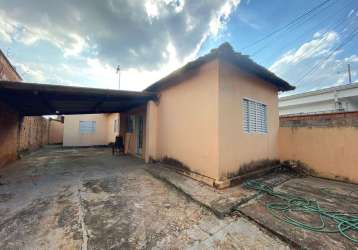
{"type": "Point", "coordinates": [214, 117]}
{"type": "Point", "coordinates": [333, 99]}
{"type": "Point", "coordinates": [90, 129]}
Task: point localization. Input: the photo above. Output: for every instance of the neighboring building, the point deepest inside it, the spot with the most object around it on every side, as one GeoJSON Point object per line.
{"type": "Point", "coordinates": [18, 133]}
{"type": "Point", "coordinates": [7, 71]}
{"type": "Point", "coordinates": [90, 130]}
{"type": "Point", "coordinates": [215, 117]}
{"type": "Point", "coordinates": [334, 99]}
{"type": "Point", "coordinates": [9, 118]}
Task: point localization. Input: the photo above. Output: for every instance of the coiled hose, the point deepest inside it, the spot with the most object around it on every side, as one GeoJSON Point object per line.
{"type": "Point", "coordinates": [346, 223]}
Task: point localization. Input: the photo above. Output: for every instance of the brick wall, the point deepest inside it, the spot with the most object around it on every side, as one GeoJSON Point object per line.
{"type": "Point", "coordinates": [7, 71]}
{"type": "Point", "coordinates": [9, 120]}
{"type": "Point", "coordinates": [17, 133]}
{"type": "Point", "coordinates": [341, 119]}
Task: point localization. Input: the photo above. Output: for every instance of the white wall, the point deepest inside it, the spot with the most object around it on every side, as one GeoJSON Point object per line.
{"type": "Point", "coordinates": [321, 100]}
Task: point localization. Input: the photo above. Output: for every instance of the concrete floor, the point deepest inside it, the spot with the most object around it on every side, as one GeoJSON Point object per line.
{"type": "Point", "coordinates": [87, 199]}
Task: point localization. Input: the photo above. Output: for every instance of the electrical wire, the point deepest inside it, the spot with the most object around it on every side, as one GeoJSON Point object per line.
{"type": "Point", "coordinates": [330, 27]}
{"type": "Point", "coordinates": [292, 22]}
{"type": "Point", "coordinates": [346, 41]}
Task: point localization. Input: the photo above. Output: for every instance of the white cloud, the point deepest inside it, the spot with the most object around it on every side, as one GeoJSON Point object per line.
{"type": "Point", "coordinates": [6, 29]}
{"type": "Point", "coordinates": [132, 78]}
{"type": "Point", "coordinates": [149, 39]}
{"type": "Point", "coordinates": [221, 17]}
{"type": "Point", "coordinates": [352, 59]}
{"type": "Point", "coordinates": [315, 48]}
{"type": "Point", "coordinates": [331, 68]}
{"type": "Point", "coordinates": [76, 47]}
{"type": "Point", "coordinates": [152, 8]}
{"type": "Point", "coordinates": [33, 74]}
{"type": "Point", "coordinates": [71, 43]}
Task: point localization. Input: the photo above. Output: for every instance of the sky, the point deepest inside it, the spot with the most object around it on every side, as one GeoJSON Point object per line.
{"type": "Point", "coordinates": [308, 43]}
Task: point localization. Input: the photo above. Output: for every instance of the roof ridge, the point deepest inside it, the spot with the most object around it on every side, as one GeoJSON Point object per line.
{"type": "Point", "coordinates": [226, 52]}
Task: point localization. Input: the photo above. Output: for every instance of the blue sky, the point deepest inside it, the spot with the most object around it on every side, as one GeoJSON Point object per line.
{"type": "Point", "coordinates": [82, 42]}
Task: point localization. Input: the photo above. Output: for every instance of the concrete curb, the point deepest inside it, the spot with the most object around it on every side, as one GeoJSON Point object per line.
{"type": "Point", "coordinates": [221, 203]}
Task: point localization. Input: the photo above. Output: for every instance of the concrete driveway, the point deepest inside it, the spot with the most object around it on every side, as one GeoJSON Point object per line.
{"type": "Point", "coordinates": [60, 198]}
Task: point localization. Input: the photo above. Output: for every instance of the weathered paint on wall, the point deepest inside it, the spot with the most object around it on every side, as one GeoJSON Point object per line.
{"type": "Point", "coordinates": [9, 120]}
{"type": "Point", "coordinates": [187, 122]}
{"type": "Point", "coordinates": [237, 147]}
{"type": "Point", "coordinates": [326, 143]}
{"type": "Point", "coordinates": [199, 122]}
{"type": "Point", "coordinates": [103, 135]}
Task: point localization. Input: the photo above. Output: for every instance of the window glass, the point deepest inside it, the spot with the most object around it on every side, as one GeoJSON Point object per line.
{"type": "Point", "coordinates": [87, 127]}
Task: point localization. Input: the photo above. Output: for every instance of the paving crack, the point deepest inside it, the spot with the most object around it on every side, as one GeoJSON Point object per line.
{"type": "Point", "coordinates": [82, 221]}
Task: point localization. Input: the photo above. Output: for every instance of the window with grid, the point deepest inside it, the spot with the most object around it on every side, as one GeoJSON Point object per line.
{"type": "Point", "coordinates": [87, 127]}
{"type": "Point", "coordinates": [255, 116]}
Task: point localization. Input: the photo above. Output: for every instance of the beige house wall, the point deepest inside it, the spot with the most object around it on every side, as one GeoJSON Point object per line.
{"type": "Point", "coordinates": [151, 152]}
{"type": "Point", "coordinates": [72, 136]}
{"type": "Point", "coordinates": [199, 122]}
{"type": "Point", "coordinates": [112, 131]}
{"type": "Point", "coordinates": [237, 147]}
{"type": "Point", "coordinates": [187, 122]}
{"type": "Point", "coordinates": [329, 148]}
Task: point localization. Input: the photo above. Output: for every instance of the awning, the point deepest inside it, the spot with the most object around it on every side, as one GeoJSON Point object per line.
{"type": "Point", "coordinates": [33, 99]}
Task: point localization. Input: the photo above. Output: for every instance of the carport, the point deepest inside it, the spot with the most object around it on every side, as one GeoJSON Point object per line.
{"type": "Point", "coordinates": [33, 99]}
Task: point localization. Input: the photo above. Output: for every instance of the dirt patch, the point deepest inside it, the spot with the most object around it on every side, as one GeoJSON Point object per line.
{"type": "Point", "coordinates": [6, 197]}
{"type": "Point", "coordinates": [22, 224]}
{"type": "Point", "coordinates": [67, 220]}
{"type": "Point", "coordinates": [68, 214]}
{"type": "Point", "coordinates": [107, 185]}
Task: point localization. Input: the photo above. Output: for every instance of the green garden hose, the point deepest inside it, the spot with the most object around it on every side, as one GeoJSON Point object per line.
{"type": "Point", "coordinates": [346, 223]}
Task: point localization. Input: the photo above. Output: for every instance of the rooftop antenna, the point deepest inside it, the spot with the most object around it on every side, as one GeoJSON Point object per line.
{"type": "Point", "coordinates": [118, 71]}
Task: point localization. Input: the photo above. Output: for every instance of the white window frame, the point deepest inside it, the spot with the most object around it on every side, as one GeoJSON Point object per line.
{"type": "Point", "coordinates": [263, 128]}
{"type": "Point", "coordinates": [87, 127]}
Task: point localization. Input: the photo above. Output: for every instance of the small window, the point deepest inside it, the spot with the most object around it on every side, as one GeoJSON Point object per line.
{"type": "Point", "coordinates": [87, 127]}
{"type": "Point", "coordinates": [115, 125]}
{"type": "Point", "coordinates": [255, 116]}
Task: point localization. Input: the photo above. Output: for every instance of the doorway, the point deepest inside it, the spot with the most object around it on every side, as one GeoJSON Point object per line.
{"type": "Point", "coordinates": [139, 125]}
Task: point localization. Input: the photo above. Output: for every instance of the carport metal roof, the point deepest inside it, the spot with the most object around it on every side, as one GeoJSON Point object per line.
{"type": "Point", "coordinates": [33, 99]}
